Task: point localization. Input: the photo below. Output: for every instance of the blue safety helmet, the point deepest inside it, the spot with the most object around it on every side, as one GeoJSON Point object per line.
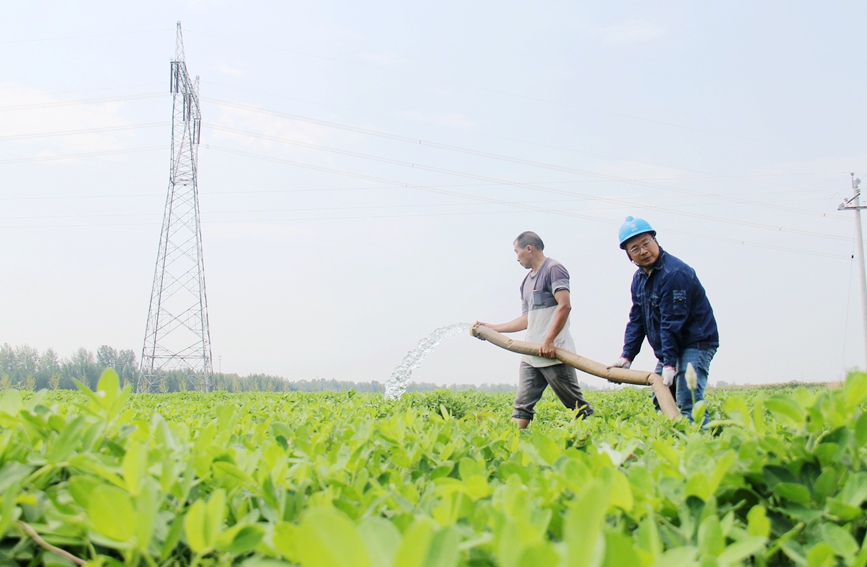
{"type": "Point", "coordinates": [634, 227]}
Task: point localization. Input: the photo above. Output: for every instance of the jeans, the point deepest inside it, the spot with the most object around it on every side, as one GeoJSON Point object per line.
{"type": "Point", "coordinates": [700, 359]}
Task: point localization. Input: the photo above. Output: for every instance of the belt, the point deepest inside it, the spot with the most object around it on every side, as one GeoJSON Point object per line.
{"type": "Point", "coordinates": [704, 346]}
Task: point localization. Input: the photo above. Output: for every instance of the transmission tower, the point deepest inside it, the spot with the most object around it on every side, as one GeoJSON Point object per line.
{"type": "Point", "coordinates": [177, 338]}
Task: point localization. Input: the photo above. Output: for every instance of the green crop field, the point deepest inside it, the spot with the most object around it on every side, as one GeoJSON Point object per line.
{"type": "Point", "coordinates": [432, 480]}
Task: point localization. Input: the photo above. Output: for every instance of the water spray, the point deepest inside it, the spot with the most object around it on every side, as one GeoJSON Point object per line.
{"type": "Point", "coordinates": [395, 386]}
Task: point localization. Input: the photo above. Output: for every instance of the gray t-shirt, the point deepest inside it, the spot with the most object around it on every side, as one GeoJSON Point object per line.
{"type": "Point", "coordinates": [538, 302]}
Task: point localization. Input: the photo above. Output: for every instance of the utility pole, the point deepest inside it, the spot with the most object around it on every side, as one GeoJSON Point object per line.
{"type": "Point", "coordinates": [178, 337]}
{"type": "Point", "coordinates": [855, 204]}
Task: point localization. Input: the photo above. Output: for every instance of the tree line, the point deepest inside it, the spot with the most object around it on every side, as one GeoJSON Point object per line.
{"type": "Point", "coordinates": [25, 368]}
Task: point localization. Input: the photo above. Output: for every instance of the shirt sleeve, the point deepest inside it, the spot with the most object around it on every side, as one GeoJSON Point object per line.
{"type": "Point", "coordinates": [635, 332]}
{"type": "Point", "coordinates": [559, 278]}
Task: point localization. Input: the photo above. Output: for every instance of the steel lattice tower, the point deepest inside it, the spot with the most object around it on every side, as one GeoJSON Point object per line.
{"type": "Point", "coordinates": [177, 338]}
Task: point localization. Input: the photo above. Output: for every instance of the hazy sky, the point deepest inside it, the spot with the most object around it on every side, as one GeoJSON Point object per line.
{"type": "Point", "coordinates": [365, 167]}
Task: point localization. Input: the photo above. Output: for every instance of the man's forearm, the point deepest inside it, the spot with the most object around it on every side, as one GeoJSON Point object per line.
{"type": "Point", "coordinates": [561, 315]}
{"type": "Point", "coordinates": [513, 326]}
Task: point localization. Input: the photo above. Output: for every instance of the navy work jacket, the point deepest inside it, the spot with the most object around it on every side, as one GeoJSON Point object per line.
{"type": "Point", "coordinates": [671, 309]}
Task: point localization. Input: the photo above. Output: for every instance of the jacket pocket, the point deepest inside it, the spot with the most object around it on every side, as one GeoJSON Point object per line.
{"type": "Point", "coordinates": [680, 304]}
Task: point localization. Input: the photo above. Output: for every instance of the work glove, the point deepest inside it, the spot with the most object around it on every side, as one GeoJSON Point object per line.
{"type": "Point", "coordinates": [622, 363]}
{"type": "Point", "coordinates": [668, 374]}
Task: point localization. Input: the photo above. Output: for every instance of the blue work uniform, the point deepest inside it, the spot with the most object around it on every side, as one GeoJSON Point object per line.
{"type": "Point", "coordinates": [671, 309]}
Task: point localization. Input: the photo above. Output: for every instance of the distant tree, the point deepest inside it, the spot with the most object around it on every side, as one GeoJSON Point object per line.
{"type": "Point", "coordinates": [47, 368]}
{"type": "Point", "coordinates": [82, 366]}
{"type": "Point", "coordinates": [26, 361]}
{"type": "Point", "coordinates": [7, 359]}
{"type": "Point", "coordinates": [126, 366]}
{"type": "Point", "coordinates": [106, 357]}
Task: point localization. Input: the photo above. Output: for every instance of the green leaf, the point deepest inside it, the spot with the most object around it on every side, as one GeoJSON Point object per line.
{"type": "Point", "coordinates": [108, 387]}
{"type": "Point", "coordinates": [147, 506]}
{"type": "Point", "coordinates": [775, 474]}
{"type": "Point", "coordinates": [233, 471]}
{"type": "Point", "coordinates": [582, 529]}
{"type": "Point", "coordinates": [826, 484]}
{"type": "Point", "coordinates": [542, 553]}
{"type": "Point", "coordinates": [443, 550]}
{"type": "Point", "coordinates": [13, 474]}
{"type": "Point", "coordinates": [698, 485]}
{"type": "Point", "coordinates": [619, 551]}
{"type": "Point", "coordinates": [286, 541]}
{"type": "Point", "coordinates": [855, 490]}
{"type": "Point", "coordinates": [81, 487]}
{"type": "Point", "coordinates": [416, 541]}
{"type": "Point", "coordinates": [383, 539]}
{"type": "Point", "coordinates": [469, 467]}
{"type": "Point", "coordinates": [647, 536]}
{"type": "Point", "coordinates": [758, 523]}
{"type": "Point", "coordinates": [698, 411]}
{"type": "Point", "coordinates": [66, 443]}
{"type": "Point", "coordinates": [176, 529]}
{"type": "Point", "coordinates": [723, 465]}
{"type": "Point", "coordinates": [240, 538]}
{"type": "Point", "coordinates": [621, 491]}
{"type": "Point", "coordinates": [678, 557]}
{"type": "Point", "coordinates": [711, 540]}
{"type": "Point", "coordinates": [758, 414]}
{"type": "Point", "coordinates": [841, 510]}
{"type": "Point", "coordinates": [9, 512]}
{"type": "Point", "coordinates": [112, 513]}
{"type": "Point", "coordinates": [861, 430]}
{"type": "Point", "coordinates": [786, 411]}
{"type": "Point", "coordinates": [134, 464]}
{"type": "Point", "coordinates": [329, 539]}
{"type": "Point", "coordinates": [548, 449]}
{"type": "Point", "coordinates": [739, 551]}
{"type": "Point", "coordinates": [424, 546]}
{"type": "Point", "coordinates": [215, 511]}
{"type": "Point", "coordinates": [820, 555]}
{"type": "Point", "coordinates": [194, 527]}
{"type": "Point", "coordinates": [855, 389]}
{"type": "Point", "coordinates": [840, 540]}
{"type": "Point", "coordinates": [10, 402]}
{"type": "Point", "coordinates": [794, 492]}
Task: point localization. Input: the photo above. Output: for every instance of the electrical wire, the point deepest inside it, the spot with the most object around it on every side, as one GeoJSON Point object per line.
{"type": "Point", "coordinates": [509, 203]}
{"type": "Point", "coordinates": [83, 131]}
{"type": "Point", "coordinates": [57, 104]}
{"type": "Point", "coordinates": [536, 187]}
{"type": "Point", "coordinates": [83, 155]}
{"type": "Point", "coordinates": [500, 157]}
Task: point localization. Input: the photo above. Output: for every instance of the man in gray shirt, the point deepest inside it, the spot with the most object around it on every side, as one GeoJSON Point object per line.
{"type": "Point", "coordinates": [545, 307]}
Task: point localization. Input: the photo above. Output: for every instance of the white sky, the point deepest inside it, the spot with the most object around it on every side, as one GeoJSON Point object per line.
{"type": "Point", "coordinates": [731, 126]}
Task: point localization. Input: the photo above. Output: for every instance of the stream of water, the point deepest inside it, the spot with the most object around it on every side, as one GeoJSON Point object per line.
{"type": "Point", "coordinates": [395, 386]}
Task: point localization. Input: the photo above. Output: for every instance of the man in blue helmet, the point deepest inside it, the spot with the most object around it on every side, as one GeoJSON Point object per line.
{"type": "Point", "coordinates": [671, 309]}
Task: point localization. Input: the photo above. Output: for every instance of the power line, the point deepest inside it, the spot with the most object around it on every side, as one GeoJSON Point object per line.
{"type": "Point", "coordinates": [500, 157]}
{"type": "Point", "coordinates": [510, 94]}
{"type": "Point", "coordinates": [56, 104]}
{"type": "Point", "coordinates": [82, 131]}
{"type": "Point", "coordinates": [531, 186]}
{"type": "Point", "coordinates": [511, 204]}
{"type": "Point", "coordinates": [88, 36]}
{"type": "Point", "coordinates": [102, 153]}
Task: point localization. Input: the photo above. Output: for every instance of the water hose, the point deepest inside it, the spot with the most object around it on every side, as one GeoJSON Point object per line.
{"type": "Point", "coordinates": [612, 374]}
